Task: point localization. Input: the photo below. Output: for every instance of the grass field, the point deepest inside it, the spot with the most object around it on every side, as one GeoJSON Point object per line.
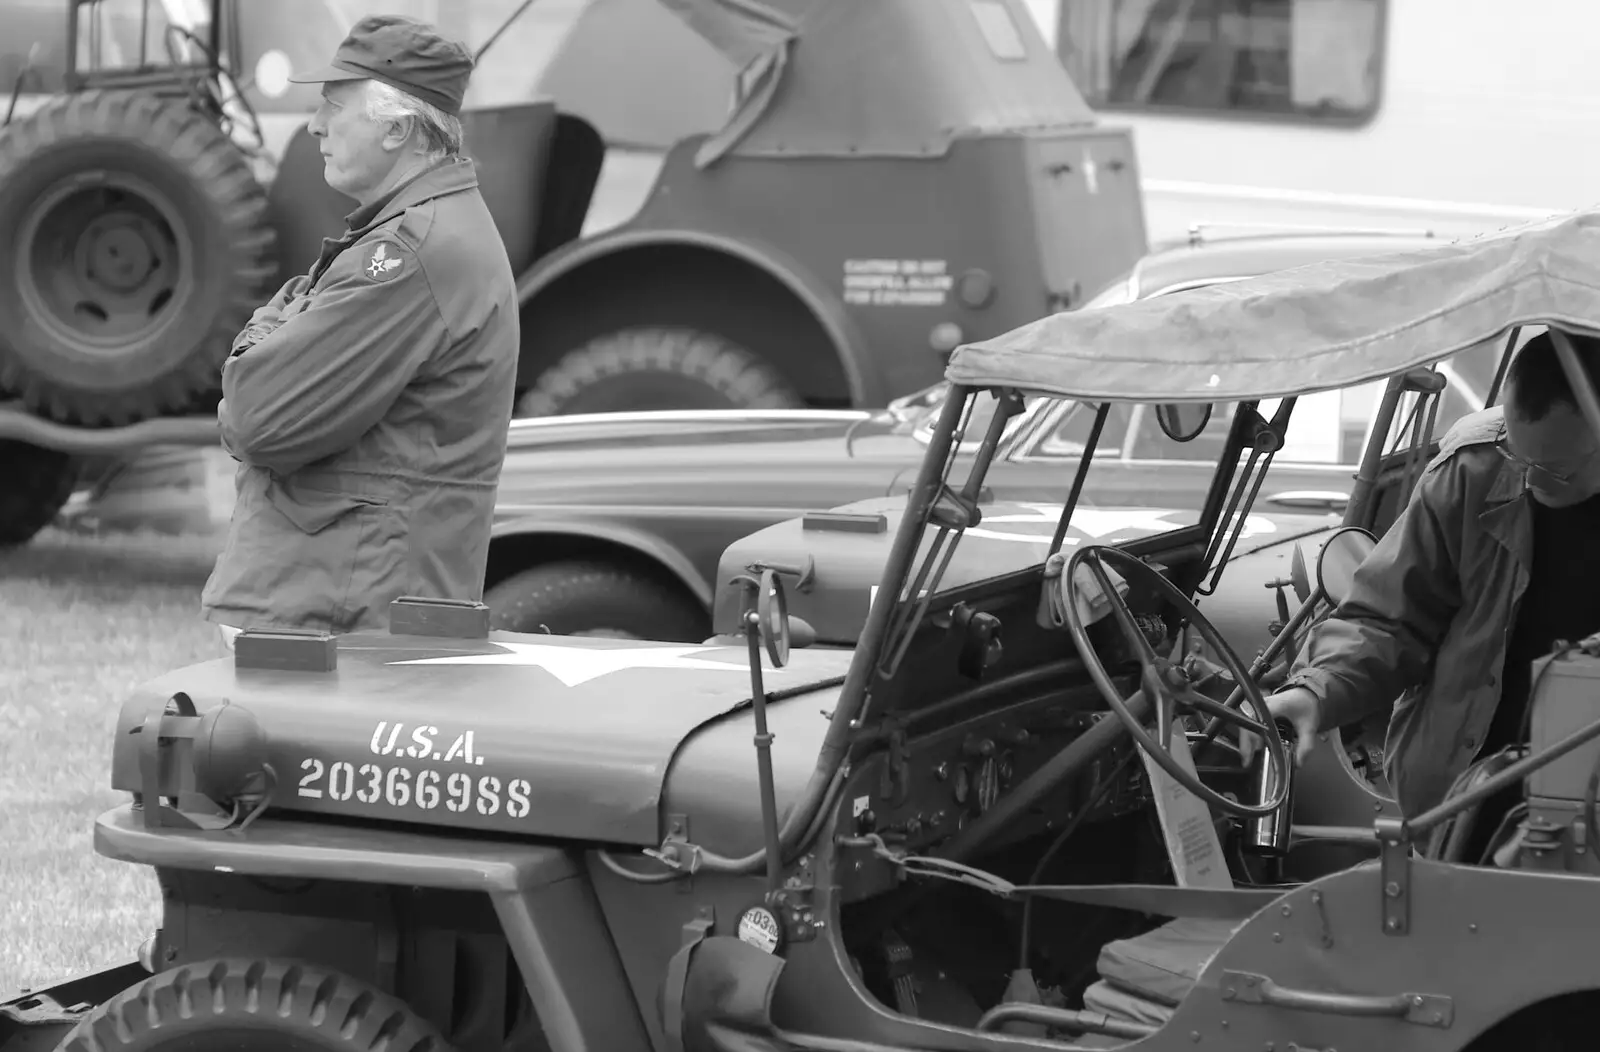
{"type": "Point", "coordinates": [82, 622]}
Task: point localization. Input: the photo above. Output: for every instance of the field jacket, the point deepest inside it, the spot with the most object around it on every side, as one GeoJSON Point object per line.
{"type": "Point", "coordinates": [368, 405]}
{"type": "Point", "coordinates": [1430, 616]}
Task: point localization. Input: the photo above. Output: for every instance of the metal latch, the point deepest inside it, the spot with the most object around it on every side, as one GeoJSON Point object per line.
{"type": "Point", "coordinates": [1395, 873]}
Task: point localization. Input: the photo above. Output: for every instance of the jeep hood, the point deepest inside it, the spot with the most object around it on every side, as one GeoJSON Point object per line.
{"type": "Point", "coordinates": [536, 735]}
{"type": "Point", "coordinates": [847, 556]}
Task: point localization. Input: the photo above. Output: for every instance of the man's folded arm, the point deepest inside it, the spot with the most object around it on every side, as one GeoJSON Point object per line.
{"type": "Point", "coordinates": [320, 380]}
{"type": "Point", "coordinates": [1383, 637]}
{"type": "Point", "coordinates": [269, 315]}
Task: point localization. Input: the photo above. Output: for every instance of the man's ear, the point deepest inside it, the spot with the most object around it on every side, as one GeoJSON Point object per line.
{"type": "Point", "coordinates": [398, 133]}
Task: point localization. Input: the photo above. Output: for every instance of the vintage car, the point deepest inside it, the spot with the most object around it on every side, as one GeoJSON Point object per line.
{"type": "Point", "coordinates": [613, 524]}
{"type": "Point", "coordinates": [1004, 820]}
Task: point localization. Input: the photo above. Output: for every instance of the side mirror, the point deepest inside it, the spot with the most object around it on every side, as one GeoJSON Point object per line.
{"type": "Point", "coordinates": [772, 611]}
{"type": "Point", "coordinates": [801, 634]}
{"type": "Point", "coordinates": [1299, 576]}
{"type": "Point", "coordinates": [1183, 421]}
{"type": "Point", "coordinates": [1345, 551]}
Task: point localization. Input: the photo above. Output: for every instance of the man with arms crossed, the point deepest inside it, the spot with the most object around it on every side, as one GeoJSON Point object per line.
{"type": "Point", "coordinates": [1495, 558]}
{"type": "Point", "coordinates": [368, 402]}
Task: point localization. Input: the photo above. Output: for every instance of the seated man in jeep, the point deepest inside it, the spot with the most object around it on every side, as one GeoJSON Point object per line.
{"type": "Point", "coordinates": [1492, 561]}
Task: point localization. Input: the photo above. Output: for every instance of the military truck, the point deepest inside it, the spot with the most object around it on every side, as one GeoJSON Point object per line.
{"type": "Point", "coordinates": [1015, 816]}
{"type": "Point", "coordinates": [875, 185]}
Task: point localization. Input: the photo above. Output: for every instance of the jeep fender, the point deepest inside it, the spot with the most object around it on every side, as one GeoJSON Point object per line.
{"type": "Point", "coordinates": [819, 301]}
{"type": "Point", "coordinates": [650, 547]}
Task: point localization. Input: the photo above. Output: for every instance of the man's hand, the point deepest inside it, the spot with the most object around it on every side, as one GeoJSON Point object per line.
{"type": "Point", "coordinates": [255, 332]}
{"type": "Point", "coordinates": [1300, 709]}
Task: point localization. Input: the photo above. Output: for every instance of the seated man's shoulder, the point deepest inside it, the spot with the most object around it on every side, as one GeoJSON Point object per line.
{"type": "Point", "coordinates": [1467, 461]}
{"type": "Point", "coordinates": [1475, 429]}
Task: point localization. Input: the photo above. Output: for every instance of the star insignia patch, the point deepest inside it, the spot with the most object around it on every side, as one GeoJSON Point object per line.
{"type": "Point", "coordinates": [382, 264]}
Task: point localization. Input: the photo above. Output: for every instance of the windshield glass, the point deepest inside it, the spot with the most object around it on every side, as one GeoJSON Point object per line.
{"type": "Point", "coordinates": [924, 414]}
{"type": "Point", "coordinates": [112, 35]}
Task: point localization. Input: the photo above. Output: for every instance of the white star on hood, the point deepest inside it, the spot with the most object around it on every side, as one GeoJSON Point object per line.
{"type": "Point", "coordinates": [573, 665]}
{"type": "Point", "coordinates": [1091, 522]}
{"type": "Point", "coordinates": [1097, 523]}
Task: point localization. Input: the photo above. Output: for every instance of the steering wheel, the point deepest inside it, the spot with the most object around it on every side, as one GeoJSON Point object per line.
{"type": "Point", "coordinates": [1165, 683]}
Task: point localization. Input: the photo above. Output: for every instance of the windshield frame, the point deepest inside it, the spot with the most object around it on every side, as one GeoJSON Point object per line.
{"type": "Point", "coordinates": [936, 505]}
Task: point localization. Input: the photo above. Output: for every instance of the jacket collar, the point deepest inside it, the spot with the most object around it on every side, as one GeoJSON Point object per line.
{"type": "Point", "coordinates": [449, 176]}
{"type": "Point", "coordinates": [1506, 516]}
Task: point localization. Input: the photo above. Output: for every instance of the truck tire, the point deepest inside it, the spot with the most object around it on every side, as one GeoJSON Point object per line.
{"type": "Point", "coordinates": [139, 239]}
{"type": "Point", "coordinates": [657, 368]}
{"type": "Point", "coordinates": [252, 1006]}
{"type": "Point", "coordinates": [34, 489]}
{"type": "Point", "coordinates": [592, 598]}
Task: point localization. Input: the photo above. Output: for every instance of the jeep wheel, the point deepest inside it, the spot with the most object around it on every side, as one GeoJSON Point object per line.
{"type": "Point", "coordinates": [584, 598]}
{"type": "Point", "coordinates": [657, 368]}
{"type": "Point", "coordinates": [252, 1006]}
{"type": "Point", "coordinates": [33, 490]}
{"type": "Point", "coordinates": [137, 233]}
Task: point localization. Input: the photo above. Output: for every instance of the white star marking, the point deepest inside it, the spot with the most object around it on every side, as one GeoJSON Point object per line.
{"type": "Point", "coordinates": [1097, 523]}
{"type": "Point", "coordinates": [575, 665]}
{"type": "Point", "coordinates": [1091, 172]}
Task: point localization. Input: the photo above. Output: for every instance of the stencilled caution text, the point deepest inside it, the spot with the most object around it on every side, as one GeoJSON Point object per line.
{"type": "Point", "coordinates": [897, 282]}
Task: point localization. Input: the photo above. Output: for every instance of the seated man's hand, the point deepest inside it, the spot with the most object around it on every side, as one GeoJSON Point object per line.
{"type": "Point", "coordinates": [1298, 707]}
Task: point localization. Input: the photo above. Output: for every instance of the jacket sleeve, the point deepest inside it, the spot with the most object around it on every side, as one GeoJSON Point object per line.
{"type": "Point", "coordinates": [269, 315]}
{"type": "Point", "coordinates": [330, 371]}
{"type": "Point", "coordinates": [1384, 635]}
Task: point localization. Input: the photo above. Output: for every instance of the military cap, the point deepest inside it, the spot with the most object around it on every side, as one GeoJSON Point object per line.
{"type": "Point", "coordinates": [402, 53]}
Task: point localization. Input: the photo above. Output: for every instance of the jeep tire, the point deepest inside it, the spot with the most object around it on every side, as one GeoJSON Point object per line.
{"type": "Point", "coordinates": [590, 597]}
{"type": "Point", "coordinates": [252, 1006]}
{"type": "Point", "coordinates": [35, 486]}
{"type": "Point", "coordinates": [139, 239]}
{"type": "Point", "coordinates": [657, 368]}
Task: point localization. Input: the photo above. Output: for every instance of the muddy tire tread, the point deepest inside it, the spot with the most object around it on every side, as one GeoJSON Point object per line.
{"type": "Point", "coordinates": [743, 379]}
{"type": "Point", "coordinates": [522, 600]}
{"type": "Point", "coordinates": [35, 486]}
{"type": "Point", "coordinates": [312, 1003]}
{"type": "Point", "coordinates": [211, 162]}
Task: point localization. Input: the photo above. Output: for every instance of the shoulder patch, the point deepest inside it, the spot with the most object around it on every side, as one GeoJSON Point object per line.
{"type": "Point", "coordinates": [383, 260]}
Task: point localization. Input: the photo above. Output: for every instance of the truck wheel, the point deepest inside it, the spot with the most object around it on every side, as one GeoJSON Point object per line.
{"type": "Point", "coordinates": [657, 368]}
{"type": "Point", "coordinates": [138, 236]}
{"type": "Point", "coordinates": [252, 1006]}
{"type": "Point", "coordinates": [587, 598]}
{"type": "Point", "coordinates": [34, 489]}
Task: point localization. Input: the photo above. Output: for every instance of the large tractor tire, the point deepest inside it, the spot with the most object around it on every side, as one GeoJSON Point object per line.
{"type": "Point", "coordinates": [657, 368]}
{"type": "Point", "coordinates": [34, 486]}
{"type": "Point", "coordinates": [591, 598]}
{"type": "Point", "coordinates": [139, 240]}
{"type": "Point", "coordinates": [252, 1006]}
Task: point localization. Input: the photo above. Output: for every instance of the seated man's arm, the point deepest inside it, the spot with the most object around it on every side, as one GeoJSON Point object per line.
{"type": "Point", "coordinates": [321, 379]}
{"type": "Point", "coordinates": [1383, 637]}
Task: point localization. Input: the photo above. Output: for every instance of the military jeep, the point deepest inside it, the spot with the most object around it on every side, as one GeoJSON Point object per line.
{"type": "Point", "coordinates": [1015, 816]}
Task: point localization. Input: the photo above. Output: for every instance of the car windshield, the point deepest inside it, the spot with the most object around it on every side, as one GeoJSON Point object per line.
{"type": "Point", "coordinates": [922, 411]}
{"type": "Point", "coordinates": [112, 35]}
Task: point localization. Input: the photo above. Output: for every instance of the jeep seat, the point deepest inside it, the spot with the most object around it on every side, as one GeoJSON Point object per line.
{"type": "Point", "coordinates": [1142, 979]}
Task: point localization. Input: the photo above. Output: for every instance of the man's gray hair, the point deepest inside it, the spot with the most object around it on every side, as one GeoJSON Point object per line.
{"type": "Point", "coordinates": [440, 132]}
